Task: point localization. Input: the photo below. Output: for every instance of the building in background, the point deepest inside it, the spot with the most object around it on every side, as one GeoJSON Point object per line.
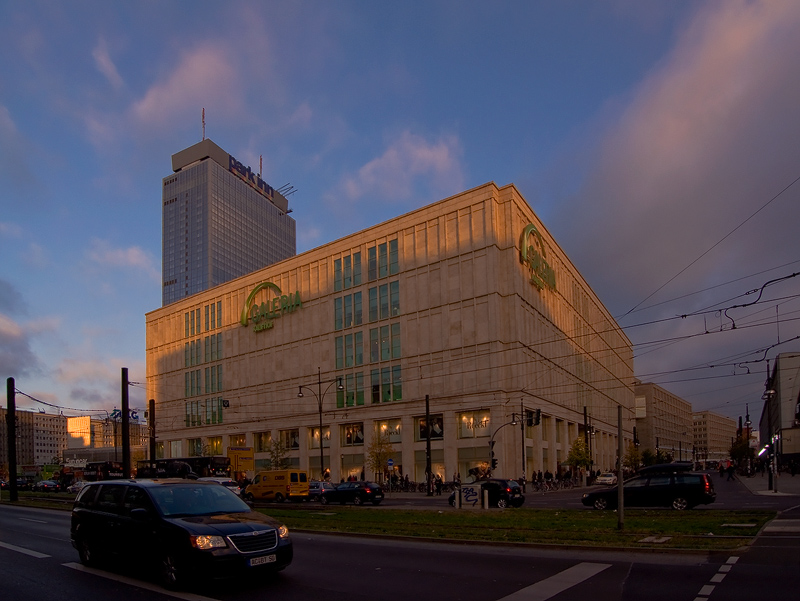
{"type": "Point", "coordinates": [713, 436]}
{"type": "Point", "coordinates": [780, 415]}
{"type": "Point", "coordinates": [663, 422]}
{"type": "Point", "coordinates": [454, 319]}
{"type": "Point", "coordinates": [220, 221]}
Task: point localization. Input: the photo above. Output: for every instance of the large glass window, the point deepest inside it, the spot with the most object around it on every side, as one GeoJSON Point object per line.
{"type": "Point", "coordinates": [372, 264]}
{"type": "Point", "coordinates": [394, 264]}
{"type": "Point", "coordinates": [437, 428]}
{"type": "Point", "coordinates": [473, 424]}
{"type": "Point", "coordinates": [195, 447]}
{"type": "Point", "coordinates": [215, 443]}
{"type": "Point", "coordinates": [383, 261]}
{"type": "Point", "coordinates": [352, 434]}
{"type": "Point", "coordinates": [356, 269]}
{"type": "Point", "coordinates": [391, 429]}
{"type": "Point", "coordinates": [262, 441]}
{"type": "Point", "coordinates": [338, 314]}
{"type": "Point", "coordinates": [313, 437]}
{"type": "Point", "coordinates": [373, 304]}
{"type": "Point", "coordinates": [394, 298]}
{"type": "Point", "coordinates": [337, 275]}
{"type": "Point", "coordinates": [290, 439]}
{"type": "Point", "coordinates": [383, 300]}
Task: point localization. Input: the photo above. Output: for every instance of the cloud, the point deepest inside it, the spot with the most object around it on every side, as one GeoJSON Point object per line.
{"type": "Point", "coordinates": [105, 65]}
{"type": "Point", "coordinates": [10, 230]}
{"type": "Point", "coordinates": [96, 382]}
{"type": "Point", "coordinates": [17, 359]}
{"type": "Point", "coordinates": [406, 161]}
{"type": "Point", "coordinates": [134, 257]}
{"type": "Point", "coordinates": [702, 143]}
{"type": "Point", "coordinates": [11, 300]}
{"type": "Point", "coordinates": [205, 76]}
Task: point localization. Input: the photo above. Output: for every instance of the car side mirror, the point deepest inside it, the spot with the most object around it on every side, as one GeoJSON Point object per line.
{"type": "Point", "coordinates": [139, 514]}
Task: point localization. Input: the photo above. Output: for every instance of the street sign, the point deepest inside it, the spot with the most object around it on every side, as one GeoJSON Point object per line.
{"type": "Point", "coordinates": [390, 463]}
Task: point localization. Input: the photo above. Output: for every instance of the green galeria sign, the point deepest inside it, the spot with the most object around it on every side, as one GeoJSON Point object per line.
{"type": "Point", "coordinates": [263, 315]}
{"type": "Point", "coordinates": [533, 255]}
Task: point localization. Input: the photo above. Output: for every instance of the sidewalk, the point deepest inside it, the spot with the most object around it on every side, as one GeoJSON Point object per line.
{"type": "Point", "coordinates": [787, 484]}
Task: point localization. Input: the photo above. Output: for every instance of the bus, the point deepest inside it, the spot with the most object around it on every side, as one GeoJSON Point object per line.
{"type": "Point", "coordinates": [185, 467]}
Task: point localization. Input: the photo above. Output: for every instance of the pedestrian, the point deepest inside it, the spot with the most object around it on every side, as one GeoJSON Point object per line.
{"type": "Point", "coordinates": [731, 472]}
{"type": "Point", "coordinates": [438, 485]}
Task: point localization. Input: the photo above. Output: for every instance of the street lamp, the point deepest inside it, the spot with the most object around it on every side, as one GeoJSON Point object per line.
{"type": "Point", "coordinates": [493, 462]}
{"type": "Point", "coordinates": [320, 395]}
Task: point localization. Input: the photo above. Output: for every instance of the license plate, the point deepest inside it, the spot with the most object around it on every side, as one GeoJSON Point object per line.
{"type": "Point", "coordinates": [258, 561]}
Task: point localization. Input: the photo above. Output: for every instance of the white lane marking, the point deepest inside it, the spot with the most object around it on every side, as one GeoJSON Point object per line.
{"type": "Point", "coordinates": [725, 568]}
{"type": "Point", "coordinates": [35, 554]}
{"type": "Point", "coordinates": [732, 560]}
{"type": "Point", "coordinates": [550, 587]}
{"type": "Point", "coordinates": [137, 583]}
{"type": "Point", "coordinates": [707, 590]}
{"type": "Point", "coordinates": [717, 578]}
{"type": "Point", "coordinates": [30, 520]}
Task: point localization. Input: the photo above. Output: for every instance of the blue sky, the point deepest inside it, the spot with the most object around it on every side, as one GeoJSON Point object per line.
{"type": "Point", "coordinates": [657, 141]}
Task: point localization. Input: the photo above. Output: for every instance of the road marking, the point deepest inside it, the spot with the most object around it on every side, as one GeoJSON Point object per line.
{"type": "Point", "coordinates": [783, 526]}
{"type": "Point", "coordinates": [35, 554]}
{"type": "Point", "coordinates": [550, 587]}
{"type": "Point", "coordinates": [732, 560]}
{"type": "Point", "coordinates": [716, 578]}
{"type": "Point", "coordinates": [725, 567]}
{"type": "Point", "coordinates": [30, 520]}
{"type": "Point", "coordinates": [706, 590]}
{"type": "Point", "coordinates": [137, 583]}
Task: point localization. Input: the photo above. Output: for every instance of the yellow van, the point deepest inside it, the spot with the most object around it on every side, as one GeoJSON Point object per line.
{"type": "Point", "coordinates": [278, 485]}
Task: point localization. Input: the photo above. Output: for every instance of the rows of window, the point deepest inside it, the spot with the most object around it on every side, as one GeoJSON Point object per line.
{"type": "Point", "coordinates": [200, 351]}
{"type": "Point", "coordinates": [382, 261]}
{"type": "Point", "coordinates": [384, 302]}
{"type": "Point", "coordinates": [203, 381]}
{"type": "Point", "coordinates": [384, 345]}
{"type": "Point", "coordinates": [204, 412]}
{"type": "Point", "coordinates": [193, 325]}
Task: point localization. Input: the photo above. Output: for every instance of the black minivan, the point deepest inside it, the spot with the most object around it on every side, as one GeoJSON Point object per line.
{"type": "Point", "coordinates": [183, 530]}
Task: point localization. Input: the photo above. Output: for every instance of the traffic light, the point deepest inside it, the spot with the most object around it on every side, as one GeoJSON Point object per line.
{"type": "Point", "coordinates": [537, 417]}
{"type": "Point", "coordinates": [494, 463]}
{"type": "Point", "coordinates": [529, 418]}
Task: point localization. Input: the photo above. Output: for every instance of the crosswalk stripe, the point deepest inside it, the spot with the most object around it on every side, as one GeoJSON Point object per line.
{"type": "Point", "coordinates": [23, 550]}
{"type": "Point", "coordinates": [550, 587]}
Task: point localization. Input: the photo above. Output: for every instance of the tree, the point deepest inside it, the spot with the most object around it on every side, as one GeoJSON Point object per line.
{"type": "Point", "coordinates": [579, 455]}
{"type": "Point", "coordinates": [379, 451]}
{"type": "Point", "coordinates": [277, 456]}
{"type": "Point", "coordinates": [648, 457]}
{"type": "Point", "coordinates": [633, 458]}
{"type": "Point", "coordinates": [741, 451]}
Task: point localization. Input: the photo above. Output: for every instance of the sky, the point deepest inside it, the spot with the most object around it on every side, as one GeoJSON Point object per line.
{"type": "Point", "coordinates": [657, 141]}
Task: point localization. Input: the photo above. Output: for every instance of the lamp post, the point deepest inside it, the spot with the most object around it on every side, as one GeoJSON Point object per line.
{"type": "Point", "coordinates": [320, 395]}
{"type": "Point", "coordinates": [513, 422]}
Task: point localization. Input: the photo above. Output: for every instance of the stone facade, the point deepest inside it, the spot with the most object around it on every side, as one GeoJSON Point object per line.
{"type": "Point", "coordinates": [437, 303]}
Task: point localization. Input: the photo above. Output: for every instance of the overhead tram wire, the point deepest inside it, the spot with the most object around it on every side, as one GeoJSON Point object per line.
{"type": "Point", "coordinates": [725, 237]}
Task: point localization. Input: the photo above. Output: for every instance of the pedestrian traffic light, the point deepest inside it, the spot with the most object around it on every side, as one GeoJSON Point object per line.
{"type": "Point", "coordinates": [494, 464]}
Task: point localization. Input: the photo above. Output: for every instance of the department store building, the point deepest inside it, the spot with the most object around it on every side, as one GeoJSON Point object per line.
{"type": "Point", "coordinates": [467, 305]}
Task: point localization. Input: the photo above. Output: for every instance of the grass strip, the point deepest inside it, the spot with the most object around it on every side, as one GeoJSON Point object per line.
{"type": "Point", "coordinates": [691, 530]}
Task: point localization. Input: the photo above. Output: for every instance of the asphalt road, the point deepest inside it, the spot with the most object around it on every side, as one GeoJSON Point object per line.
{"type": "Point", "coordinates": [38, 562]}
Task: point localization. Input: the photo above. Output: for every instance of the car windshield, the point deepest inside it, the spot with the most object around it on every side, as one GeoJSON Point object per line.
{"type": "Point", "coordinates": [196, 499]}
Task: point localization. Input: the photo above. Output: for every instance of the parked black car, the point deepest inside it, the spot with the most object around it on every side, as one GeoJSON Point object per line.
{"type": "Point", "coordinates": [46, 486]}
{"type": "Point", "coordinates": [355, 492]}
{"type": "Point", "coordinates": [502, 493]}
{"type": "Point", "coordinates": [316, 488]}
{"type": "Point", "coordinates": [184, 530]}
{"type": "Point", "coordinates": [680, 490]}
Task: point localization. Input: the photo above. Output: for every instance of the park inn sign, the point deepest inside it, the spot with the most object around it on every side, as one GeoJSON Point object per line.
{"type": "Point", "coordinates": [262, 316]}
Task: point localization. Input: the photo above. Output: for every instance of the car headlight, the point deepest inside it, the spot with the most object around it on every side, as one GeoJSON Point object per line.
{"type": "Point", "coordinates": [207, 542]}
{"type": "Point", "coordinates": [283, 531]}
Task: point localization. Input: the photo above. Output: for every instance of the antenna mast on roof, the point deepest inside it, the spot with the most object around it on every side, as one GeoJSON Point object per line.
{"type": "Point", "coordinates": [260, 164]}
{"type": "Point", "coordinates": [204, 123]}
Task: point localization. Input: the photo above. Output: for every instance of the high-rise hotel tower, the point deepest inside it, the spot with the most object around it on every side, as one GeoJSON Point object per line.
{"type": "Point", "coordinates": [220, 221]}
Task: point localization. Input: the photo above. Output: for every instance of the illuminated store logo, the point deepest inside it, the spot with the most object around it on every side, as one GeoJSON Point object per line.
{"type": "Point", "coordinates": [533, 255]}
{"type": "Point", "coordinates": [263, 315]}
{"type": "Point", "coordinates": [251, 178]}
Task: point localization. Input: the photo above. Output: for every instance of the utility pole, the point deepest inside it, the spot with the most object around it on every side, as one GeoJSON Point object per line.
{"type": "Point", "coordinates": [620, 493]}
{"type": "Point", "coordinates": [522, 430]}
{"type": "Point", "coordinates": [126, 439]}
{"type": "Point", "coordinates": [151, 426]}
{"type": "Point", "coordinates": [428, 468]}
{"type": "Point", "coordinates": [11, 422]}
